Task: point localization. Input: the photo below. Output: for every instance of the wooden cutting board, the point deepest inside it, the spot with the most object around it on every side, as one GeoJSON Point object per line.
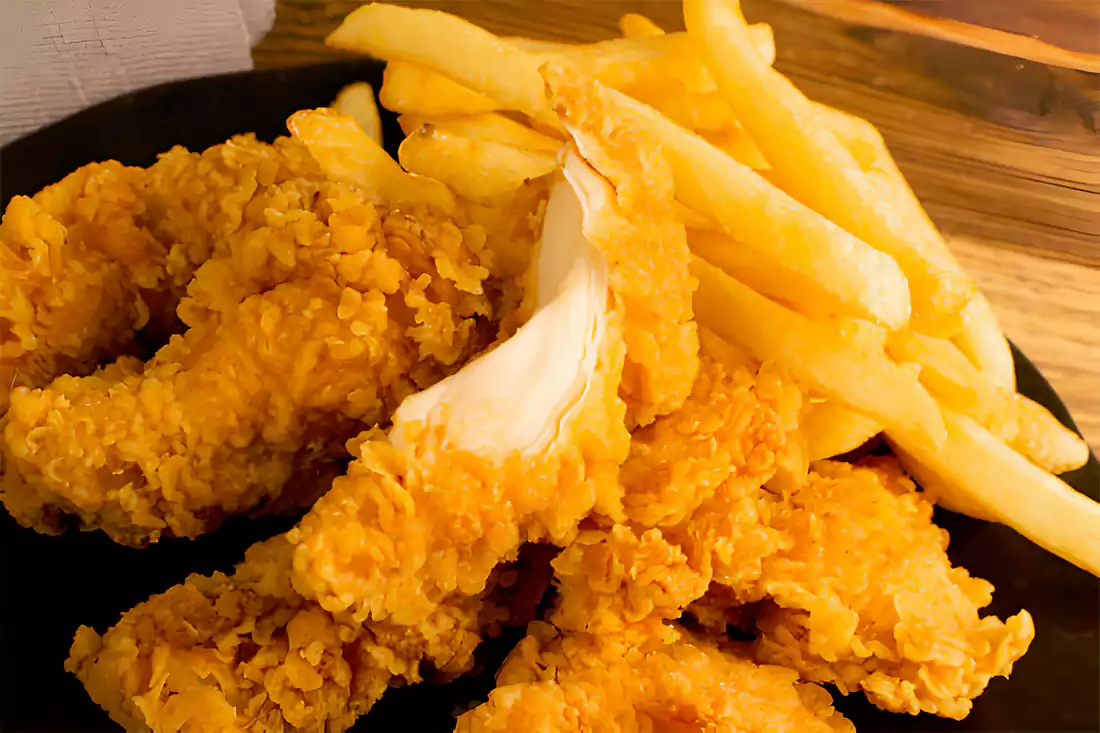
{"type": "Point", "coordinates": [1004, 152]}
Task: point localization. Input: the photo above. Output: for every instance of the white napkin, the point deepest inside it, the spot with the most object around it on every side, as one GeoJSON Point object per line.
{"type": "Point", "coordinates": [59, 56]}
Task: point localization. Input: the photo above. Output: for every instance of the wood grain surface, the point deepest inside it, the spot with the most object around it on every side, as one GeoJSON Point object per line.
{"type": "Point", "coordinates": [1004, 153]}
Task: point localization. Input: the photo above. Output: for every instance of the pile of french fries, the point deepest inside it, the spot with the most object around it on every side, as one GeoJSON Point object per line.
{"type": "Point", "coordinates": [809, 247]}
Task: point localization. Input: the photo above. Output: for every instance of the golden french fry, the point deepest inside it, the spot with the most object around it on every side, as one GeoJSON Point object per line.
{"type": "Point", "coordinates": [451, 46]}
{"type": "Point", "coordinates": [863, 281]}
{"type": "Point", "coordinates": [707, 115]}
{"type": "Point", "coordinates": [832, 429]}
{"type": "Point", "coordinates": [983, 342]}
{"type": "Point", "coordinates": [656, 59]}
{"type": "Point", "coordinates": [1029, 429]}
{"type": "Point", "coordinates": [871, 337]}
{"type": "Point", "coordinates": [731, 355]}
{"type": "Point", "coordinates": [488, 126]}
{"type": "Point", "coordinates": [869, 150]}
{"type": "Point", "coordinates": [768, 275]}
{"type": "Point", "coordinates": [538, 46]}
{"type": "Point", "coordinates": [409, 88]}
{"type": "Point", "coordinates": [974, 470]}
{"type": "Point", "coordinates": [346, 153]}
{"type": "Point", "coordinates": [1026, 427]}
{"type": "Point", "coordinates": [818, 356]}
{"type": "Point", "coordinates": [634, 25]}
{"type": "Point", "coordinates": [357, 102]}
{"type": "Point", "coordinates": [948, 374]}
{"type": "Point", "coordinates": [860, 137]}
{"type": "Point", "coordinates": [810, 163]}
{"type": "Point", "coordinates": [480, 170]}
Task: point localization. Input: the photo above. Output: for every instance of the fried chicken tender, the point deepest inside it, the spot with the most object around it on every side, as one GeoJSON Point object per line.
{"type": "Point", "coordinates": [865, 597]}
{"type": "Point", "coordinates": [76, 269]}
{"type": "Point", "coordinates": [640, 232]}
{"type": "Point", "coordinates": [853, 580]}
{"type": "Point", "coordinates": [246, 652]}
{"type": "Point", "coordinates": [653, 679]}
{"type": "Point", "coordinates": [222, 416]}
{"type": "Point", "coordinates": [689, 487]}
{"type": "Point", "coordinates": [109, 250]}
{"type": "Point", "coordinates": [416, 522]}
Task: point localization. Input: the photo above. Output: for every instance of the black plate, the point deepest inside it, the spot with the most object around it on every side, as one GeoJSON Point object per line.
{"type": "Point", "coordinates": [48, 585]}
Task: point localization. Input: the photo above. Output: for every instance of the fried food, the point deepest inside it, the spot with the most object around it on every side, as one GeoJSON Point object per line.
{"type": "Point", "coordinates": [357, 102]}
{"type": "Point", "coordinates": [557, 392]}
{"type": "Point", "coordinates": [685, 485]}
{"type": "Point", "coordinates": [221, 417]}
{"type": "Point", "coordinates": [109, 250]}
{"type": "Point", "coordinates": [844, 599]}
{"type": "Point", "coordinates": [810, 163]}
{"type": "Point", "coordinates": [246, 652]}
{"type": "Point", "coordinates": [655, 678]}
{"type": "Point", "coordinates": [456, 489]}
{"type": "Point", "coordinates": [861, 595]}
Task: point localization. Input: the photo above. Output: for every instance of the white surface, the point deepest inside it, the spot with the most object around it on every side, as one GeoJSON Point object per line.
{"type": "Point", "coordinates": [59, 56]}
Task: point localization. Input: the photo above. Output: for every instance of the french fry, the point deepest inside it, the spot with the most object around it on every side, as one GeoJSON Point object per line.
{"type": "Point", "coordinates": [357, 102]}
{"type": "Point", "coordinates": [409, 88]}
{"type": "Point", "coordinates": [1026, 427]}
{"type": "Point", "coordinates": [480, 170]}
{"type": "Point", "coordinates": [975, 471]}
{"type": "Point", "coordinates": [865, 282]}
{"type": "Point", "coordinates": [983, 342]}
{"type": "Point", "coordinates": [1029, 429]}
{"type": "Point", "coordinates": [488, 126]}
{"type": "Point", "coordinates": [868, 336]}
{"type": "Point", "coordinates": [656, 58]}
{"type": "Point", "coordinates": [634, 25]}
{"type": "Point", "coordinates": [731, 355]}
{"type": "Point", "coordinates": [707, 115]}
{"type": "Point", "coordinates": [538, 46]}
{"type": "Point", "coordinates": [818, 356]}
{"type": "Point", "coordinates": [346, 153]}
{"type": "Point", "coordinates": [451, 46]}
{"type": "Point", "coordinates": [765, 274]}
{"type": "Point", "coordinates": [949, 375]}
{"type": "Point", "coordinates": [832, 429]}
{"type": "Point", "coordinates": [810, 163]}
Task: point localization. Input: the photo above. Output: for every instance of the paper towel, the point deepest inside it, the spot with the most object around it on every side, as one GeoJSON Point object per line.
{"type": "Point", "coordinates": [59, 56]}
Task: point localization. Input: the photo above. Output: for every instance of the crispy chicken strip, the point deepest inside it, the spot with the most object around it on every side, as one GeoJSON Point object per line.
{"type": "Point", "coordinates": [223, 415]}
{"type": "Point", "coordinates": [689, 486]}
{"type": "Point", "coordinates": [855, 583]}
{"type": "Point", "coordinates": [246, 652]}
{"type": "Point", "coordinates": [640, 680]}
{"type": "Point", "coordinates": [109, 250]}
{"type": "Point", "coordinates": [865, 597]}
{"type": "Point", "coordinates": [416, 521]}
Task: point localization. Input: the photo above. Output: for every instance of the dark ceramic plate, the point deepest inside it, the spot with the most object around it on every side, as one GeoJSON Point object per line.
{"type": "Point", "coordinates": [50, 585]}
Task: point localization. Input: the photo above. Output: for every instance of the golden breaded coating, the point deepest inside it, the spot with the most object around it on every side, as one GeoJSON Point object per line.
{"type": "Point", "coordinates": [220, 418]}
{"type": "Point", "coordinates": [409, 527]}
{"type": "Point", "coordinates": [856, 585]}
{"type": "Point", "coordinates": [689, 488]}
{"type": "Point", "coordinates": [635, 225]}
{"type": "Point", "coordinates": [657, 679]}
{"type": "Point", "coordinates": [76, 271]}
{"type": "Point", "coordinates": [109, 250]}
{"type": "Point", "coordinates": [865, 596]}
{"type": "Point", "coordinates": [246, 652]}
{"type": "Point", "coordinates": [734, 424]}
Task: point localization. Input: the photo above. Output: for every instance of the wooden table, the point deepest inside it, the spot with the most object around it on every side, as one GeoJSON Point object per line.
{"type": "Point", "coordinates": [1004, 153]}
